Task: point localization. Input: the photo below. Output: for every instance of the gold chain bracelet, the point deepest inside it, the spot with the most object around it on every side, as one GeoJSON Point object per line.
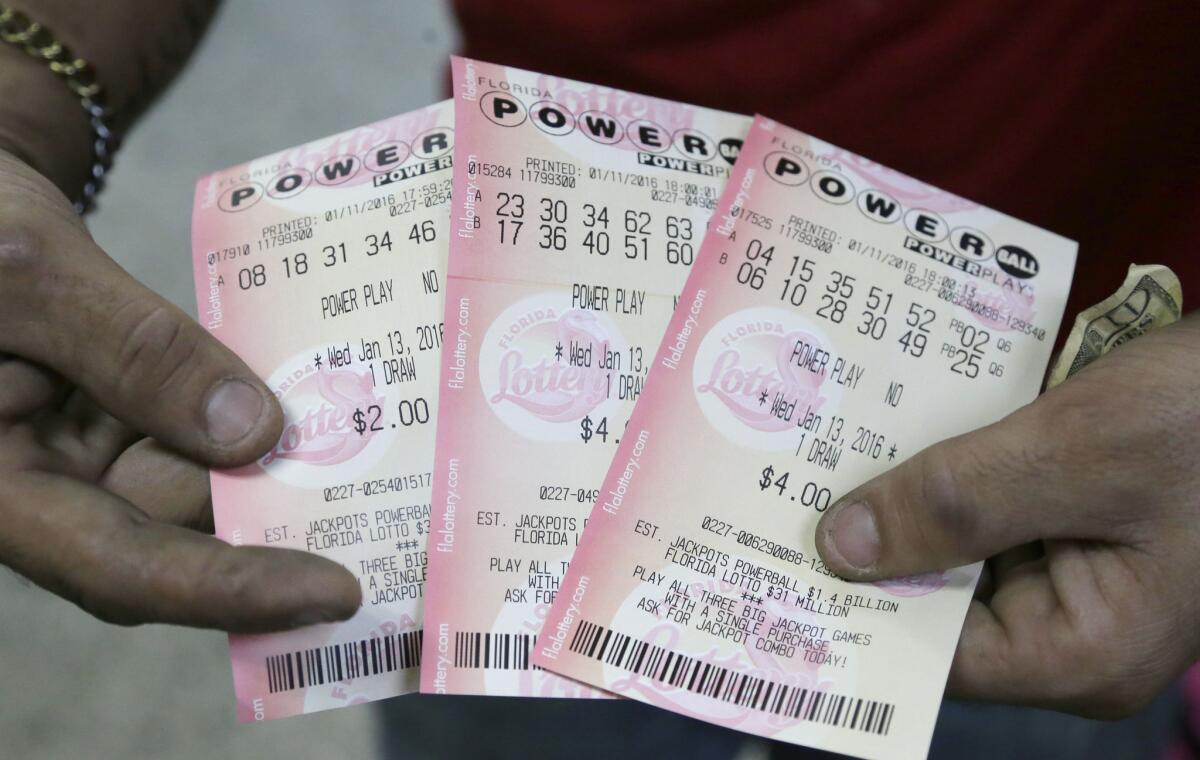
{"type": "Point", "coordinates": [18, 29]}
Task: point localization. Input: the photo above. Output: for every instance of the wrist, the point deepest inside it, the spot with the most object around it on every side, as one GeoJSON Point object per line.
{"type": "Point", "coordinates": [42, 122]}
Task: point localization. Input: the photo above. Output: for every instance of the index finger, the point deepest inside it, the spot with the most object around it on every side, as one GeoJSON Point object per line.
{"type": "Point", "coordinates": [66, 305]}
{"type": "Point", "coordinates": [113, 561]}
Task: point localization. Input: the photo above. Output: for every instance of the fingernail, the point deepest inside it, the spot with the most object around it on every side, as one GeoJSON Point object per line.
{"type": "Point", "coordinates": [233, 410]}
{"type": "Point", "coordinates": [854, 535]}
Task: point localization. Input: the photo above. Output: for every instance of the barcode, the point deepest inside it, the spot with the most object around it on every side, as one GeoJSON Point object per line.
{"type": "Point", "coordinates": [721, 683]}
{"type": "Point", "coordinates": [339, 662]}
{"type": "Point", "coordinates": [493, 651]}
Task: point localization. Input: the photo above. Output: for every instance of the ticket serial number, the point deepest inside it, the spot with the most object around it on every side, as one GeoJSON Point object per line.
{"type": "Point", "coordinates": [765, 545]}
{"type": "Point", "coordinates": [377, 486]}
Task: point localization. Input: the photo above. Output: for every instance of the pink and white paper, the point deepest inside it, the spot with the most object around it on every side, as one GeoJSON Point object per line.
{"type": "Point", "coordinates": [322, 267]}
{"type": "Point", "coordinates": [839, 318]}
{"type": "Point", "coordinates": [578, 209]}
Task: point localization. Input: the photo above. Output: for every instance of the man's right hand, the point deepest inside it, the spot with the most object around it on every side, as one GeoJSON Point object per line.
{"type": "Point", "coordinates": [112, 404]}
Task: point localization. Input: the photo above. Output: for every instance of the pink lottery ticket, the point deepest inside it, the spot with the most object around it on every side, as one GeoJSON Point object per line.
{"type": "Point", "coordinates": [323, 268]}
{"type": "Point", "coordinates": [839, 318]}
{"type": "Point", "coordinates": [578, 211]}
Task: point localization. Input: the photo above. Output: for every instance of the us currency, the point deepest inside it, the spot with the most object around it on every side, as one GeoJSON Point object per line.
{"type": "Point", "coordinates": [1150, 298]}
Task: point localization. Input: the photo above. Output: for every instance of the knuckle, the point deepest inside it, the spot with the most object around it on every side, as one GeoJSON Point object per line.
{"type": "Point", "coordinates": [107, 587]}
{"type": "Point", "coordinates": [25, 388]}
{"type": "Point", "coordinates": [22, 249]}
{"type": "Point", "coordinates": [32, 248]}
{"type": "Point", "coordinates": [945, 511]}
{"type": "Point", "coordinates": [991, 467]}
{"type": "Point", "coordinates": [963, 490]}
{"type": "Point", "coordinates": [233, 581]}
{"type": "Point", "coordinates": [1080, 435]}
{"type": "Point", "coordinates": [26, 272]}
{"type": "Point", "coordinates": [157, 347]}
{"type": "Point", "coordinates": [1088, 453]}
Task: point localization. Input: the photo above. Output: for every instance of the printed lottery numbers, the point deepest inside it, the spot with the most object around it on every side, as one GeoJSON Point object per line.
{"type": "Point", "coordinates": [795, 287]}
{"type": "Point", "coordinates": [252, 277]}
{"type": "Point", "coordinates": [552, 221]}
{"type": "Point", "coordinates": [375, 244]}
{"type": "Point", "coordinates": [596, 240]}
{"type": "Point", "coordinates": [510, 214]}
{"type": "Point", "coordinates": [753, 271]}
{"type": "Point", "coordinates": [334, 254]}
{"type": "Point", "coordinates": [680, 249]}
{"type": "Point", "coordinates": [553, 229]}
{"type": "Point", "coordinates": [425, 232]}
{"type": "Point", "coordinates": [637, 235]}
{"type": "Point", "coordinates": [965, 358]}
{"type": "Point", "coordinates": [874, 322]}
{"type": "Point", "coordinates": [836, 296]}
{"type": "Point", "coordinates": [630, 231]}
{"type": "Point", "coordinates": [297, 265]}
{"type": "Point", "coordinates": [913, 341]}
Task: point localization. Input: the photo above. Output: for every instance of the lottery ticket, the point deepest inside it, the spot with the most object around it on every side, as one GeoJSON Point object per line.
{"type": "Point", "coordinates": [323, 267]}
{"type": "Point", "coordinates": [839, 318]}
{"type": "Point", "coordinates": [578, 211]}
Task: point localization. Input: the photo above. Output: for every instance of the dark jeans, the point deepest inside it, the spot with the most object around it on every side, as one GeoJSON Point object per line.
{"type": "Point", "coordinates": [417, 727]}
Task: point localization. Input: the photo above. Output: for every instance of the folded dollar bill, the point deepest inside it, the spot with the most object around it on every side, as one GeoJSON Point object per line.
{"type": "Point", "coordinates": [1150, 298]}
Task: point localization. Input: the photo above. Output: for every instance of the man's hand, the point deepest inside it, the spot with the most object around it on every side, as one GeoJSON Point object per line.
{"type": "Point", "coordinates": [1088, 503]}
{"type": "Point", "coordinates": [111, 402]}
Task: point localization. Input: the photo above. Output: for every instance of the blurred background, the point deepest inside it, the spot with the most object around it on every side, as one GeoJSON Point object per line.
{"type": "Point", "coordinates": [269, 75]}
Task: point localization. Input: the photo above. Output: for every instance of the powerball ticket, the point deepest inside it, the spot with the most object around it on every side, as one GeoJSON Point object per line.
{"type": "Point", "coordinates": [840, 317]}
{"type": "Point", "coordinates": [578, 212]}
{"type": "Point", "coordinates": [323, 267]}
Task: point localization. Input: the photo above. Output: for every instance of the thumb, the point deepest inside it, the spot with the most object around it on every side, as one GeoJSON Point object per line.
{"type": "Point", "coordinates": [957, 502]}
{"type": "Point", "coordinates": [68, 306]}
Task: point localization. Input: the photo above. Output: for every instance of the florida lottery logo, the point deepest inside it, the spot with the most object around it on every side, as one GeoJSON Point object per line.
{"type": "Point", "coordinates": [753, 378]}
{"type": "Point", "coordinates": [322, 406]}
{"type": "Point", "coordinates": [544, 366]}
